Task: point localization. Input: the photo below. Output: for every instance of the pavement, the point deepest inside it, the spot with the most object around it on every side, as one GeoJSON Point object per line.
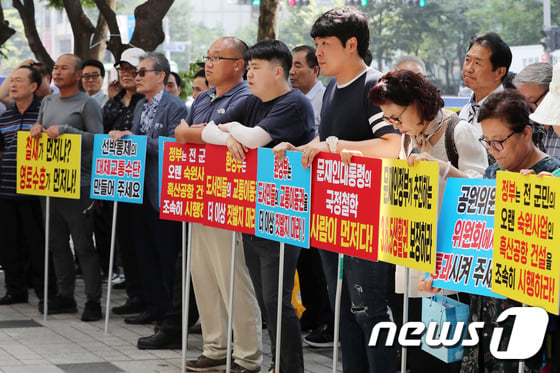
{"type": "Point", "coordinates": [64, 343]}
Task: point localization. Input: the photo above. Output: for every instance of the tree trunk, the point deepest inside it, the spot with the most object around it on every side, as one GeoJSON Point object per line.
{"type": "Point", "coordinates": [267, 20]}
{"type": "Point", "coordinates": [148, 32]}
{"type": "Point", "coordinates": [6, 31]}
{"type": "Point", "coordinates": [107, 9]}
{"type": "Point", "coordinates": [82, 28]}
{"type": "Point", "coordinates": [100, 37]}
{"type": "Point", "coordinates": [26, 11]}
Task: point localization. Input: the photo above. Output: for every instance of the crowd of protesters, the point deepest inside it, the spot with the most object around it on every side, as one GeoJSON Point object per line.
{"type": "Point", "coordinates": [265, 95]}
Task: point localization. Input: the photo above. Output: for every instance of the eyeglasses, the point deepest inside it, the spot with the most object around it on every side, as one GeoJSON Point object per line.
{"type": "Point", "coordinates": [141, 73]}
{"type": "Point", "coordinates": [498, 145]}
{"type": "Point", "coordinates": [396, 120]}
{"type": "Point", "coordinates": [539, 98]}
{"type": "Point", "coordinates": [90, 76]}
{"type": "Point", "coordinates": [129, 70]}
{"type": "Point", "coordinates": [217, 59]}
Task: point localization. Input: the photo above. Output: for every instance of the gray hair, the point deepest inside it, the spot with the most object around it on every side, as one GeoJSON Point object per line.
{"type": "Point", "coordinates": [415, 59]}
{"type": "Point", "coordinates": [159, 63]}
{"type": "Point", "coordinates": [537, 73]}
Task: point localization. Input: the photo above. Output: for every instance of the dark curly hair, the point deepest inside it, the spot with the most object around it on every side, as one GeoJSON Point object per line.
{"type": "Point", "coordinates": [403, 88]}
{"type": "Point", "coordinates": [511, 107]}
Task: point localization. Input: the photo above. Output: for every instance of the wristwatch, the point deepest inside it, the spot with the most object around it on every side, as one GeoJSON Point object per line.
{"type": "Point", "coordinates": [331, 142]}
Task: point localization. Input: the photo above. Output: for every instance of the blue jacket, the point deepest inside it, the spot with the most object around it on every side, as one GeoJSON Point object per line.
{"type": "Point", "coordinates": [168, 116]}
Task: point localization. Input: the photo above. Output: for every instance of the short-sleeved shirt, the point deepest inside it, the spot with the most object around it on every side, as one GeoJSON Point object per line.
{"type": "Point", "coordinates": [347, 112]}
{"type": "Point", "coordinates": [12, 121]}
{"type": "Point", "coordinates": [288, 117]}
{"type": "Point", "coordinates": [207, 107]}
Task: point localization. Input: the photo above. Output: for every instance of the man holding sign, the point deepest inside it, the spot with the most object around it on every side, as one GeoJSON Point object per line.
{"type": "Point", "coordinates": [72, 111]}
{"type": "Point", "coordinates": [210, 268]}
{"type": "Point", "coordinates": [21, 221]}
{"type": "Point", "coordinates": [274, 113]}
{"type": "Point", "coordinates": [350, 124]}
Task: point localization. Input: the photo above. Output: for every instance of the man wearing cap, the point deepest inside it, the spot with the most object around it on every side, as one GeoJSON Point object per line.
{"type": "Point", "coordinates": [118, 114]}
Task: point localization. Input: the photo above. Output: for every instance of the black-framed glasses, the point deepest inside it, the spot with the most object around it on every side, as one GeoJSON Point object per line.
{"type": "Point", "coordinates": [142, 73]}
{"type": "Point", "coordinates": [217, 59]}
{"type": "Point", "coordinates": [90, 76]}
{"type": "Point", "coordinates": [396, 120]}
{"type": "Point", "coordinates": [498, 145]}
{"type": "Point", "coordinates": [539, 98]}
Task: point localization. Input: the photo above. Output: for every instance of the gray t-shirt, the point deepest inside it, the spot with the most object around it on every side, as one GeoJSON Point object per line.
{"type": "Point", "coordinates": [78, 114]}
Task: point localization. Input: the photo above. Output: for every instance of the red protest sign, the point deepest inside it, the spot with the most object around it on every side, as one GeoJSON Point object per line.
{"type": "Point", "coordinates": [230, 190]}
{"type": "Point", "coordinates": [345, 205]}
{"type": "Point", "coordinates": [182, 186]}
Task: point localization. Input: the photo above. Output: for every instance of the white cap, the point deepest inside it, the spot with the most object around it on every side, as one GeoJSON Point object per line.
{"type": "Point", "coordinates": [131, 56]}
{"type": "Point", "coordinates": [548, 112]}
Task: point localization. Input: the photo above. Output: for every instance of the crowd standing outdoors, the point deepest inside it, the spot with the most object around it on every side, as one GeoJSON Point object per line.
{"type": "Point", "coordinates": [282, 105]}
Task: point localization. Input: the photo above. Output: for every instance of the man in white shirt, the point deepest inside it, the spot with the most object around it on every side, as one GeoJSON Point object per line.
{"type": "Point", "coordinates": [304, 75]}
{"type": "Point", "coordinates": [486, 64]}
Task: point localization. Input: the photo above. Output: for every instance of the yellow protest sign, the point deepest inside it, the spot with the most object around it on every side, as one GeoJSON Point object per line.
{"type": "Point", "coordinates": [408, 214]}
{"type": "Point", "coordinates": [49, 167]}
{"type": "Point", "coordinates": [525, 255]}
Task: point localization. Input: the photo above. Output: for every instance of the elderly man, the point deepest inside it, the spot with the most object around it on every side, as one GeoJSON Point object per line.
{"type": "Point", "coordinates": [118, 114]}
{"type": "Point", "coordinates": [533, 83]}
{"type": "Point", "coordinates": [486, 64]}
{"type": "Point", "coordinates": [157, 241]}
{"type": "Point", "coordinates": [304, 75]}
{"type": "Point", "coordinates": [72, 112]}
{"type": "Point", "coordinates": [21, 222]}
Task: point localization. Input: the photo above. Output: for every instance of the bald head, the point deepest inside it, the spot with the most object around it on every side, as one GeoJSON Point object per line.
{"type": "Point", "coordinates": [225, 65]}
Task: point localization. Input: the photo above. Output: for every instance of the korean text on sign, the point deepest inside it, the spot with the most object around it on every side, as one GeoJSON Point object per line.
{"type": "Point", "coordinates": [117, 171]}
{"type": "Point", "coordinates": [465, 235]}
{"type": "Point", "coordinates": [230, 190]}
{"type": "Point", "coordinates": [182, 186]}
{"type": "Point", "coordinates": [345, 205]}
{"type": "Point", "coordinates": [408, 214]}
{"type": "Point", "coordinates": [49, 167]}
{"type": "Point", "coordinates": [526, 260]}
{"type": "Point", "coordinates": [283, 198]}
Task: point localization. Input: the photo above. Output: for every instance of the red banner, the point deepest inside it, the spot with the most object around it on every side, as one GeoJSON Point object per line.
{"type": "Point", "coordinates": [182, 186]}
{"type": "Point", "coordinates": [230, 190]}
{"type": "Point", "coordinates": [345, 205]}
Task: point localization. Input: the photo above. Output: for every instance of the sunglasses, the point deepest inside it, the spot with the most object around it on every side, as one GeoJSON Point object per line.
{"type": "Point", "coordinates": [142, 73]}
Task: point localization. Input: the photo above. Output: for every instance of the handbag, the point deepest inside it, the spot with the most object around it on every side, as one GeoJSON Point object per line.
{"type": "Point", "coordinates": [444, 310]}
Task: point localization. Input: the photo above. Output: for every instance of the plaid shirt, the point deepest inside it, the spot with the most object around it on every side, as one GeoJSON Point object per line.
{"type": "Point", "coordinates": [148, 114]}
{"type": "Point", "coordinates": [552, 143]}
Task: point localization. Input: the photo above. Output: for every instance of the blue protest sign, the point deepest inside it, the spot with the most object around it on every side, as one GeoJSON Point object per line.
{"type": "Point", "coordinates": [465, 235]}
{"type": "Point", "coordinates": [283, 199]}
{"type": "Point", "coordinates": [117, 171]}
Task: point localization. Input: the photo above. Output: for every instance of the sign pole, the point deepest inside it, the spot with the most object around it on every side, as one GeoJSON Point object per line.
{"type": "Point", "coordinates": [231, 291]}
{"type": "Point", "coordinates": [111, 261]}
{"type": "Point", "coordinates": [338, 297]}
{"type": "Point", "coordinates": [186, 246]}
{"type": "Point", "coordinates": [46, 279]}
{"type": "Point", "coordinates": [405, 315]}
{"type": "Point", "coordinates": [279, 307]}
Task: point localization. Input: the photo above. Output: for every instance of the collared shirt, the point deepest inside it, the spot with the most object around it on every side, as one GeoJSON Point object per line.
{"type": "Point", "coordinates": [11, 121]}
{"type": "Point", "coordinates": [552, 142]}
{"type": "Point", "coordinates": [207, 106]}
{"type": "Point", "coordinates": [118, 116]}
{"type": "Point", "coordinates": [470, 111]}
{"type": "Point", "coordinates": [149, 112]}
{"type": "Point", "coordinates": [100, 97]}
{"type": "Point", "coordinates": [315, 95]}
